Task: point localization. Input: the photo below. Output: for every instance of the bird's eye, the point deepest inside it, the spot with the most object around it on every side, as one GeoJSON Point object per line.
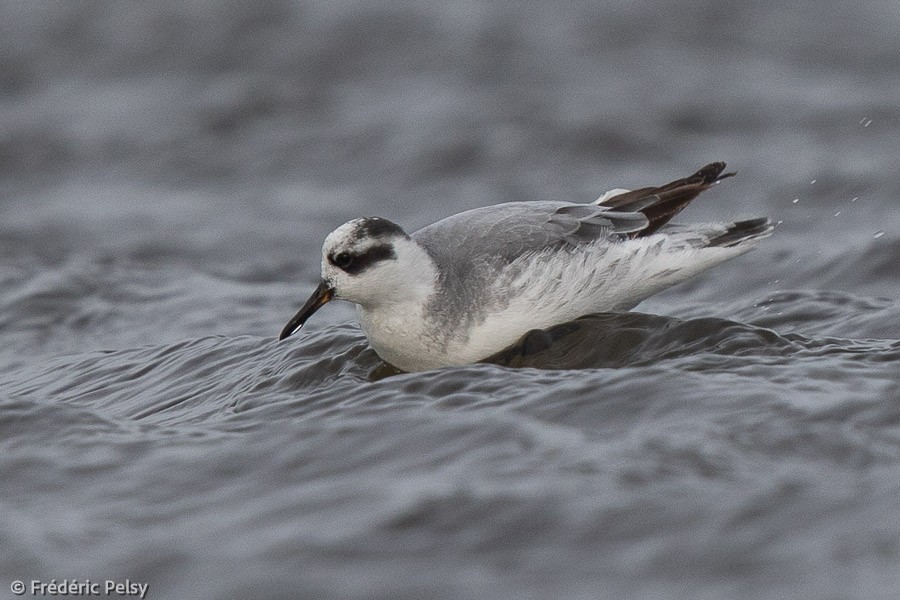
{"type": "Point", "coordinates": [343, 260]}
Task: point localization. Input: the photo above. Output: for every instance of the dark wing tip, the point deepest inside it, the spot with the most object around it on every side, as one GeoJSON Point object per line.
{"type": "Point", "coordinates": [712, 173]}
{"type": "Point", "coordinates": [742, 231]}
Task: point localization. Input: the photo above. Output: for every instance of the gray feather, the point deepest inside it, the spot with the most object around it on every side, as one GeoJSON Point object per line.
{"type": "Point", "coordinates": [472, 248]}
{"type": "Point", "coordinates": [507, 231]}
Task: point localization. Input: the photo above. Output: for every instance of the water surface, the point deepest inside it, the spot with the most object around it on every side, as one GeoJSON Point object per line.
{"type": "Point", "coordinates": [169, 174]}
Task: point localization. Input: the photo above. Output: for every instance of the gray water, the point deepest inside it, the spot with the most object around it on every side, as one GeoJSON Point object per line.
{"type": "Point", "coordinates": [169, 171]}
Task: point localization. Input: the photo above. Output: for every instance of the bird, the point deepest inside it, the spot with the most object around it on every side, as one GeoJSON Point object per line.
{"type": "Point", "coordinates": [472, 284]}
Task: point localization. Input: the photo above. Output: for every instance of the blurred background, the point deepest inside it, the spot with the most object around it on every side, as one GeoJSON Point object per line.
{"type": "Point", "coordinates": [168, 171]}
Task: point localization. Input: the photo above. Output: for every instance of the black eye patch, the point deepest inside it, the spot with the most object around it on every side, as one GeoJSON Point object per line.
{"type": "Point", "coordinates": [357, 263]}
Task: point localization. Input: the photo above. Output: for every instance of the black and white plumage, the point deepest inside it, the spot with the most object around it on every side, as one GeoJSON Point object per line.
{"type": "Point", "coordinates": [472, 284]}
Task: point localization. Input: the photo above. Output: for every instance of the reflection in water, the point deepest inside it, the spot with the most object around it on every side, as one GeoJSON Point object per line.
{"type": "Point", "coordinates": [615, 340]}
{"type": "Point", "coordinates": [610, 340]}
{"type": "Point", "coordinates": [625, 339]}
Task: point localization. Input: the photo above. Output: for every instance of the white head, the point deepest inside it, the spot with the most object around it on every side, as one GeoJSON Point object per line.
{"type": "Point", "coordinates": [372, 262]}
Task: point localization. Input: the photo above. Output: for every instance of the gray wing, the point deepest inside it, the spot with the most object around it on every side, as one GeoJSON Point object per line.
{"type": "Point", "coordinates": [506, 231]}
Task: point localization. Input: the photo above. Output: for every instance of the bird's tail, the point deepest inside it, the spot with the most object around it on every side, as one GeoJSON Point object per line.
{"type": "Point", "coordinates": [742, 231]}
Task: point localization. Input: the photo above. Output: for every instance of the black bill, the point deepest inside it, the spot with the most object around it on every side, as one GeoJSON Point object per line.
{"type": "Point", "coordinates": [319, 298]}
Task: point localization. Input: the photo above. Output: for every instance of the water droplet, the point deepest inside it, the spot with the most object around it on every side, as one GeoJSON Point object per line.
{"type": "Point", "coordinates": [878, 234]}
{"type": "Point", "coordinates": [795, 200]}
{"type": "Point", "coordinates": [837, 214]}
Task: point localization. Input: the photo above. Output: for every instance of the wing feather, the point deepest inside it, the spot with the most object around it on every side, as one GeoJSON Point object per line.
{"type": "Point", "coordinates": [507, 231]}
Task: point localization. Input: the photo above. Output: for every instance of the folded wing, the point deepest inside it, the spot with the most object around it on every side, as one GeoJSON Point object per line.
{"type": "Point", "coordinates": [660, 204]}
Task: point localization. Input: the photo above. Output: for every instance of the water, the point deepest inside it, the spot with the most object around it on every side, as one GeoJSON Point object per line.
{"type": "Point", "coordinates": [169, 174]}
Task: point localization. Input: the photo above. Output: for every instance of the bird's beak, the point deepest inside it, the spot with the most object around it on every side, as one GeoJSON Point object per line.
{"type": "Point", "coordinates": [319, 298]}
